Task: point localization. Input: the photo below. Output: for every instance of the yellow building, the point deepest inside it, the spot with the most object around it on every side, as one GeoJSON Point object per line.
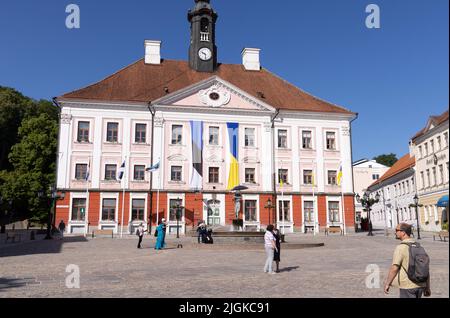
{"type": "Point", "coordinates": [431, 149]}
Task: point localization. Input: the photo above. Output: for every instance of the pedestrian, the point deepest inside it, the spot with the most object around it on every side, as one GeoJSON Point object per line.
{"type": "Point", "coordinates": [62, 228]}
{"type": "Point", "coordinates": [199, 231]}
{"type": "Point", "coordinates": [276, 256]}
{"type": "Point", "coordinates": [410, 266]}
{"type": "Point", "coordinates": [160, 241]}
{"type": "Point", "coordinates": [269, 244]}
{"type": "Point", "coordinates": [140, 233]}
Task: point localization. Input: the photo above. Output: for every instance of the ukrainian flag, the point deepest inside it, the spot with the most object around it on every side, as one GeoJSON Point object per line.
{"type": "Point", "coordinates": [339, 176]}
{"type": "Point", "coordinates": [233, 135]}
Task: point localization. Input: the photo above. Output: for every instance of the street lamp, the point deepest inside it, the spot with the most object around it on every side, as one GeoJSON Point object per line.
{"type": "Point", "coordinates": [178, 208]}
{"type": "Point", "coordinates": [269, 205]}
{"type": "Point", "coordinates": [416, 205]}
{"type": "Point", "coordinates": [368, 202]}
{"type": "Point", "coordinates": [55, 196]}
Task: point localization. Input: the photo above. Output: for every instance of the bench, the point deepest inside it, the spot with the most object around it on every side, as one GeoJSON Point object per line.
{"type": "Point", "coordinates": [12, 236]}
{"type": "Point", "coordinates": [442, 235]}
{"type": "Point", "coordinates": [333, 229]}
{"type": "Point", "coordinates": [103, 232]}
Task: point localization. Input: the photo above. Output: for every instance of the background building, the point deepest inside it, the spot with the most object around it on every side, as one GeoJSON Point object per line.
{"type": "Point", "coordinates": [204, 128]}
{"type": "Point", "coordinates": [365, 172]}
{"type": "Point", "coordinates": [430, 146]}
{"type": "Point", "coordinates": [397, 188]}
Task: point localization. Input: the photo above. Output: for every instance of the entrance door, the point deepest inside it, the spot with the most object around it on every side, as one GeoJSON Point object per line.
{"type": "Point", "coordinates": [213, 216]}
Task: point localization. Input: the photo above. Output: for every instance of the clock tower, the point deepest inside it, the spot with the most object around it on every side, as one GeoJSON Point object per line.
{"type": "Point", "coordinates": [203, 50]}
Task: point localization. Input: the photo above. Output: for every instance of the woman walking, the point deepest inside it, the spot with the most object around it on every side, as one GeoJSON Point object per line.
{"type": "Point", "coordinates": [276, 255]}
{"type": "Point", "coordinates": [160, 233]}
{"type": "Point", "coordinates": [269, 244]}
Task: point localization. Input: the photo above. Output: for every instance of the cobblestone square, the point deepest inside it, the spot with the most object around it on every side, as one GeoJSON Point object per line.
{"type": "Point", "coordinates": [116, 268]}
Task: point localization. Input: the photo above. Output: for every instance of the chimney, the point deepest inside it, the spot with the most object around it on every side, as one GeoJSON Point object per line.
{"type": "Point", "coordinates": [152, 52]}
{"type": "Point", "coordinates": [250, 59]}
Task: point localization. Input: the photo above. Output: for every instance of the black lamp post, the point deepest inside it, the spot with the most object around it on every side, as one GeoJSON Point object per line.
{"type": "Point", "coordinates": [368, 202]}
{"type": "Point", "coordinates": [54, 196]}
{"type": "Point", "coordinates": [416, 205]}
{"type": "Point", "coordinates": [269, 206]}
{"type": "Point", "coordinates": [178, 209]}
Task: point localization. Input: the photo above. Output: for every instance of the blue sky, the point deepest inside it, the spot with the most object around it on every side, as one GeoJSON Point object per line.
{"type": "Point", "coordinates": [394, 77]}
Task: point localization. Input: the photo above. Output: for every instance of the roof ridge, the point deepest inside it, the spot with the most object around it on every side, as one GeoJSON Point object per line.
{"type": "Point", "coordinates": [305, 92]}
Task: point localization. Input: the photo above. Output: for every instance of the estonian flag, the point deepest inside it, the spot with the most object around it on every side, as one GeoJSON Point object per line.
{"type": "Point", "coordinates": [122, 171]}
{"type": "Point", "coordinates": [153, 168]}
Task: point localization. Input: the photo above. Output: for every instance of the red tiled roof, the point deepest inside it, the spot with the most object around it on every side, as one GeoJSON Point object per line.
{"type": "Point", "coordinates": [435, 120]}
{"type": "Point", "coordinates": [140, 82]}
{"type": "Point", "coordinates": [401, 165]}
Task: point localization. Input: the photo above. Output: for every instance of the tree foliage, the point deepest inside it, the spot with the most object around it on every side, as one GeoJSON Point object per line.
{"type": "Point", "coordinates": [387, 159]}
{"type": "Point", "coordinates": [29, 131]}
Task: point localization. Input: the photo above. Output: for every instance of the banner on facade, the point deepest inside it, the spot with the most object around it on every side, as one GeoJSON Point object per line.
{"type": "Point", "coordinates": [197, 155]}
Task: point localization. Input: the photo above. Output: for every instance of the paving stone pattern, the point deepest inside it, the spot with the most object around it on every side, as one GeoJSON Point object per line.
{"type": "Point", "coordinates": [116, 268]}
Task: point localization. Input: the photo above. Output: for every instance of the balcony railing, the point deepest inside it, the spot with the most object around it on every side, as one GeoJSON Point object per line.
{"type": "Point", "coordinates": [204, 36]}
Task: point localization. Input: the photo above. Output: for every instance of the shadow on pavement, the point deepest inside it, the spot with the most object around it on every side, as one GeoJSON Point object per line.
{"type": "Point", "coordinates": [289, 269]}
{"type": "Point", "coordinates": [7, 283]}
{"type": "Point", "coordinates": [38, 247]}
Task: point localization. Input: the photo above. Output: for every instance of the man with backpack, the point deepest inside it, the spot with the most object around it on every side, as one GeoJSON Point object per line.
{"type": "Point", "coordinates": [410, 270]}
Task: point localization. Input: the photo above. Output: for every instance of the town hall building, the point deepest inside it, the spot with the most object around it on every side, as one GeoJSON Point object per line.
{"type": "Point", "coordinates": [175, 139]}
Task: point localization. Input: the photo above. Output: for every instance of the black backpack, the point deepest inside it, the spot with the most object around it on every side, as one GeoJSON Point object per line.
{"type": "Point", "coordinates": [419, 264]}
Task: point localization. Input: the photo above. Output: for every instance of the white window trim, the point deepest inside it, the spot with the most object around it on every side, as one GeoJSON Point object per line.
{"type": "Point", "coordinates": [71, 223]}
{"type": "Point", "coordinates": [287, 224]}
{"type": "Point", "coordinates": [316, 214]}
{"type": "Point", "coordinates": [119, 131]}
{"type": "Point", "coordinates": [116, 221]}
{"type": "Point", "coordinates": [255, 137]}
{"type": "Point", "coordinates": [313, 139]}
{"type": "Point", "coordinates": [91, 133]}
{"type": "Point", "coordinates": [247, 197]}
{"type": "Point", "coordinates": [207, 131]}
{"type": "Point", "coordinates": [74, 178]}
{"type": "Point", "coordinates": [334, 199]}
{"type": "Point", "coordinates": [147, 130]}
{"type": "Point", "coordinates": [134, 196]}
{"type": "Point", "coordinates": [288, 140]}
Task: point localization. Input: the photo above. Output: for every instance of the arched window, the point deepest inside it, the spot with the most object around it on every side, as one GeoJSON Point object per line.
{"type": "Point", "coordinates": [204, 25]}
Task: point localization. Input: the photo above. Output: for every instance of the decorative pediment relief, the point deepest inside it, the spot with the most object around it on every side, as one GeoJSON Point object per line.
{"type": "Point", "coordinates": [215, 93]}
{"type": "Point", "coordinates": [215, 159]}
{"type": "Point", "coordinates": [177, 157]}
{"type": "Point", "coordinates": [251, 160]}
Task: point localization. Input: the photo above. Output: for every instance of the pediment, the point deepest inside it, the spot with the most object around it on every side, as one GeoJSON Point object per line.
{"type": "Point", "coordinates": [177, 157]}
{"type": "Point", "coordinates": [214, 93]}
{"type": "Point", "coordinates": [215, 159]}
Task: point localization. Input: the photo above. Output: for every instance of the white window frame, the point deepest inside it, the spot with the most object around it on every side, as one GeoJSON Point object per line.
{"type": "Point", "coordinates": [115, 224]}
{"type": "Point", "coordinates": [288, 225]}
{"type": "Point", "coordinates": [257, 223]}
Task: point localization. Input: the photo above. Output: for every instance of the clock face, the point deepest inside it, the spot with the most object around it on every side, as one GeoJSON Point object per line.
{"type": "Point", "coordinates": [205, 54]}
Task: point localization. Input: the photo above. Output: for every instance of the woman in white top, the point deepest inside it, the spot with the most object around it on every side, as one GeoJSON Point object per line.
{"type": "Point", "coordinates": [269, 244]}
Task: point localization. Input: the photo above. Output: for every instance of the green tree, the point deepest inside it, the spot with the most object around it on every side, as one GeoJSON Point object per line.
{"type": "Point", "coordinates": [387, 159]}
{"type": "Point", "coordinates": [33, 160]}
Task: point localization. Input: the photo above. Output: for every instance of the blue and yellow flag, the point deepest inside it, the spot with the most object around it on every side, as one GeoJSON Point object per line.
{"type": "Point", "coordinates": [339, 176]}
{"type": "Point", "coordinates": [233, 135]}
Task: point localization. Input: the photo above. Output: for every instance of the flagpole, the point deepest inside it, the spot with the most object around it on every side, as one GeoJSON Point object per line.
{"type": "Point", "coordinates": [157, 196]}
{"type": "Point", "coordinates": [282, 200]}
{"type": "Point", "coordinates": [314, 200]}
{"type": "Point", "coordinates": [123, 197]}
{"type": "Point", "coordinates": [86, 215]}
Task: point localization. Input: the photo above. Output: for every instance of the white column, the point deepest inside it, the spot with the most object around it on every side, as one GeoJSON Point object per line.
{"type": "Point", "coordinates": [158, 153]}
{"type": "Point", "coordinates": [320, 176]}
{"type": "Point", "coordinates": [97, 155]}
{"type": "Point", "coordinates": [266, 156]}
{"type": "Point", "coordinates": [295, 173]}
{"type": "Point", "coordinates": [64, 153]}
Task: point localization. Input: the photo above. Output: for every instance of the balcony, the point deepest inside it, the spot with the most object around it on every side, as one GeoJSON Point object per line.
{"type": "Point", "coordinates": [204, 36]}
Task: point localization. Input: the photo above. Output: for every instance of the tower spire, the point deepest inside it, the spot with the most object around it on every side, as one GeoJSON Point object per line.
{"type": "Point", "coordinates": [203, 49]}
